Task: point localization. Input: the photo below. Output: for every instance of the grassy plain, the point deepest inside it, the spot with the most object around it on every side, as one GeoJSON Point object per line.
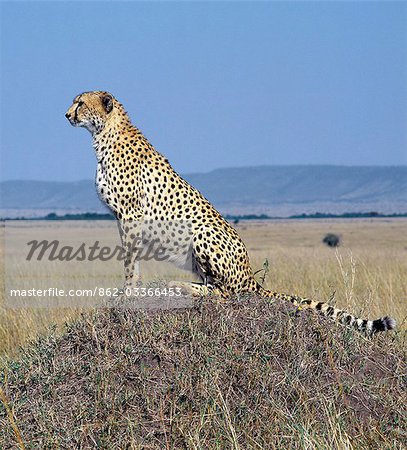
{"type": "Point", "coordinates": [367, 274]}
{"type": "Point", "coordinates": [248, 374]}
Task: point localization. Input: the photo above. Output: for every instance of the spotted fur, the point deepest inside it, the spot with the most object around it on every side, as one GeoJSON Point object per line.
{"type": "Point", "coordinates": [137, 182]}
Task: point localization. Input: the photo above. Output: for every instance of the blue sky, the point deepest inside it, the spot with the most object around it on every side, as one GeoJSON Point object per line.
{"type": "Point", "coordinates": [211, 84]}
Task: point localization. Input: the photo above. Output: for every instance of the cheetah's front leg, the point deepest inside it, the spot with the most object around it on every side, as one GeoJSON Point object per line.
{"type": "Point", "coordinates": [131, 237]}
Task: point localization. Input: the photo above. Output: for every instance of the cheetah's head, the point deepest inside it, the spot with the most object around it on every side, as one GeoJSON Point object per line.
{"type": "Point", "coordinates": [91, 110]}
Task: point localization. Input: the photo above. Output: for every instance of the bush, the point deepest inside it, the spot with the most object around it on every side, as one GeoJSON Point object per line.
{"type": "Point", "coordinates": [332, 240]}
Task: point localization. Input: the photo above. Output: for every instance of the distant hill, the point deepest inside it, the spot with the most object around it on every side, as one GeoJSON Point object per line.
{"type": "Point", "coordinates": [49, 195]}
{"type": "Point", "coordinates": [273, 190]}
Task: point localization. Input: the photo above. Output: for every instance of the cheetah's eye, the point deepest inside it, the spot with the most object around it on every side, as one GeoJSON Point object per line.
{"type": "Point", "coordinates": [80, 104]}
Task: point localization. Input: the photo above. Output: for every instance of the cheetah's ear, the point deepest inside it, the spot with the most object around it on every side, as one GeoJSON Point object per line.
{"type": "Point", "coordinates": [107, 101]}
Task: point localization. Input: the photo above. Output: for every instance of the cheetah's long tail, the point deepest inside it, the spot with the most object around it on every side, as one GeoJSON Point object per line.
{"type": "Point", "coordinates": [367, 326]}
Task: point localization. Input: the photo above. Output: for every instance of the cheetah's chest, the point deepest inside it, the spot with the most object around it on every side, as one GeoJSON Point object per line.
{"type": "Point", "coordinates": [102, 185]}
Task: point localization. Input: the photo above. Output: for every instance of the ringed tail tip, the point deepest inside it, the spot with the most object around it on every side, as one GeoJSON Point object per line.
{"type": "Point", "coordinates": [383, 324]}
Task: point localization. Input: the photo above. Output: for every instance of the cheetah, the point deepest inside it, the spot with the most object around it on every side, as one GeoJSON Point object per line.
{"type": "Point", "coordinates": [137, 182]}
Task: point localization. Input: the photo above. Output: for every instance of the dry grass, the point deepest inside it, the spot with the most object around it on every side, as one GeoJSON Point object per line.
{"type": "Point", "coordinates": [372, 280]}
{"type": "Point", "coordinates": [367, 273]}
{"type": "Point", "coordinates": [246, 375]}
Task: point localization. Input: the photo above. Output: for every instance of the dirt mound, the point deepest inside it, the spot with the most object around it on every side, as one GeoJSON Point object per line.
{"type": "Point", "coordinates": [248, 374]}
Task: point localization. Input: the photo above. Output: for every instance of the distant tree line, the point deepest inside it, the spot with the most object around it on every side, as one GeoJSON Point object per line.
{"type": "Point", "coordinates": [317, 215]}
{"type": "Point", "coordinates": [78, 216]}
{"type": "Point", "coordinates": [348, 215]}
{"type": "Point", "coordinates": [234, 218]}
